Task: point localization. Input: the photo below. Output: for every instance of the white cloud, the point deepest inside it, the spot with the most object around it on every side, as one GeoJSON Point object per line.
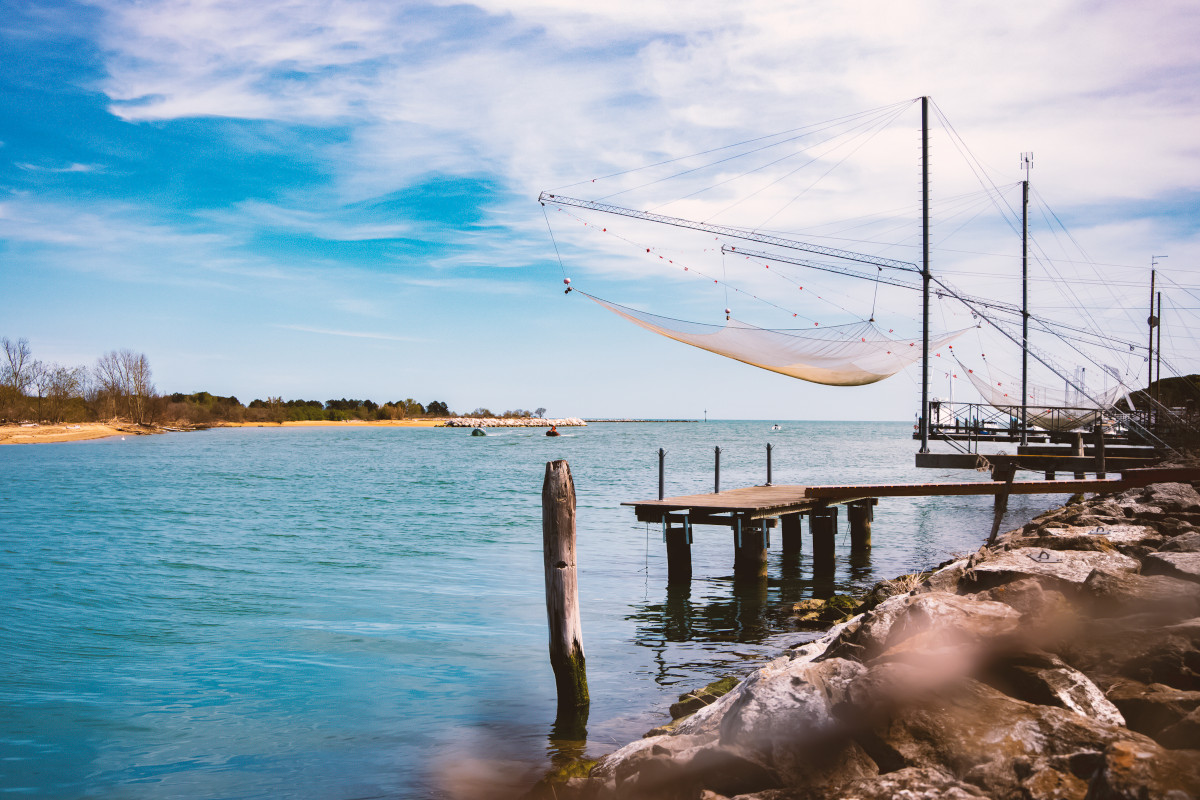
{"type": "Point", "coordinates": [351, 334]}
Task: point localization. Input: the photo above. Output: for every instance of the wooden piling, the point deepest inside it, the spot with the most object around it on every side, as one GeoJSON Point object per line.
{"type": "Point", "coordinates": [679, 552]}
{"type": "Point", "coordinates": [790, 533]}
{"type": "Point", "coordinates": [1006, 474]}
{"type": "Point", "coordinates": [1098, 432]}
{"type": "Point", "coordinates": [1079, 452]}
{"type": "Point", "coordinates": [823, 524]}
{"type": "Point", "coordinates": [860, 514]}
{"type": "Point", "coordinates": [750, 550]}
{"type": "Point", "coordinates": [562, 587]}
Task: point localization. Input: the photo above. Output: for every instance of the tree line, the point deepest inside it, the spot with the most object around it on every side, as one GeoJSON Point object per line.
{"type": "Point", "coordinates": [120, 386]}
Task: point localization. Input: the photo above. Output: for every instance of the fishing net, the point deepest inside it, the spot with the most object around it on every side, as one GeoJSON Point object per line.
{"type": "Point", "coordinates": [1048, 409]}
{"type": "Point", "coordinates": [844, 355]}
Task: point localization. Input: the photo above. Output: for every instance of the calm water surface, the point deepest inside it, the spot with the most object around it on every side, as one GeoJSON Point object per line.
{"type": "Point", "coordinates": [346, 613]}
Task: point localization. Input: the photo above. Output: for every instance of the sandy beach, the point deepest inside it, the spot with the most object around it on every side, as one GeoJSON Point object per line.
{"type": "Point", "coordinates": [45, 434]}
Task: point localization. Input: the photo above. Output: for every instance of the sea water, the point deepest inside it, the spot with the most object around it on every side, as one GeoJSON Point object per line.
{"type": "Point", "coordinates": [353, 611]}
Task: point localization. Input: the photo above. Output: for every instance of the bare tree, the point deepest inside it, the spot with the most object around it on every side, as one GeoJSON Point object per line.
{"type": "Point", "coordinates": [14, 373]}
{"type": "Point", "coordinates": [109, 384]}
{"type": "Point", "coordinates": [124, 384]}
{"type": "Point", "coordinates": [60, 385]}
{"type": "Point", "coordinates": [139, 386]}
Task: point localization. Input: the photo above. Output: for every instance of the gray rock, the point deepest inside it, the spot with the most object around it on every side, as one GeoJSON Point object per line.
{"type": "Point", "coordinates": [1030, 598]}
{"type": "Point", "coordinates": [969, 730]}
{"type": "Point", "coordinates": [1184, 734]}
{"type": "Point", "coordinates": [1072, 568]}
{"type": "Point", "coordinates": [947, 619]}
{"type": "Point", "coordinates": [1119, 594]}
{"type": "Point", "coordinates": [1135, 769]}
{"type": "Point", "coordinates": [911, 783]}
{"type": "Point", "coordinates": [1172, 497]}
{"type": "Point", "coordinates": [1175, 565]}
{"type": "Point", "coordinates": [1183, 543]}
{"type": "Point", "coordinates": [1044, 679]}
{"type": "Point", "coordinates": [1150, 709]}
{"type": "Point", "coordinates": [784, 720]}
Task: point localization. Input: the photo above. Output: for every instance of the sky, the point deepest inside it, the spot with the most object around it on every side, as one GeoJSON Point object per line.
{"type": "Point", "coordinates": [325, 199]}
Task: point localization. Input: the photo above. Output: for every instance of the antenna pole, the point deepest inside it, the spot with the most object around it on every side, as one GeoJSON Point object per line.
{"type": "Point", "coordinates": [1027, 162]}
{"type": "Point", "coordinates": [925, 276]}
{"type": "Point", "coordinates": [1158, 354]}
{"type": "Point", "coordinates": [1151, 321]}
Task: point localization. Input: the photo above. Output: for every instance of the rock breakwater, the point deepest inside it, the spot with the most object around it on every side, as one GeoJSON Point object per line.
{"type": "Point", "coordinates": [1061, 662]}
{"type": "Point", "coordinates": [513, 422]}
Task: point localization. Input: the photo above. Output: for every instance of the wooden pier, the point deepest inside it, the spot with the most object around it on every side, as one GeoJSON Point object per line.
{"type": "Point", "coordinates": [751, 512]}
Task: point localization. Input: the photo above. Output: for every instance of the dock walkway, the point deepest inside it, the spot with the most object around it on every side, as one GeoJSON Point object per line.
{"type": "Point", "coordinates": [753, 510]}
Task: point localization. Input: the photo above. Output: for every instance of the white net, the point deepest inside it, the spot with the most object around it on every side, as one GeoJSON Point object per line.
{"type": "Point", "coordinates": [844, 355]}
{"type": "Point", "coordinates": [1048, 409]}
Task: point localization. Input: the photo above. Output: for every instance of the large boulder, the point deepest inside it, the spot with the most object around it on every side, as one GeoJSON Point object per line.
{"type": "Point", "coordinates": [1122, 593]}
{"type": "Point", "coordinates": [970, 730]}
{"type": "Point", "coordinates": [1175, 565]}
{"type": "Point", "coordinates": [911, 783]}
{"type": "Point", "coordinates": [786, 724]}
{"type": "Point", "coordinates": [1136, 768]}
{"type": "Point", "coordinates": [1152, 708]}
{"type": "Point", "coordinates": [1066, 569]}
{"type": "Point", "coordinates": [1043, 678]}
{"type": "Point", "coordinates": [1183, 543]}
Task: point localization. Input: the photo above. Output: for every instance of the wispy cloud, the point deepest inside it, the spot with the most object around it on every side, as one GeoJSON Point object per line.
{"type": "Point", "coordinates": [352, 334]}
{"type": "Point", "coordinates": [68, 168]}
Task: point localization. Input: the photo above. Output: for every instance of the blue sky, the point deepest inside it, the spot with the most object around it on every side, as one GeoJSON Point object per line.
{"type": "Point", "coordinates": [326, 199]}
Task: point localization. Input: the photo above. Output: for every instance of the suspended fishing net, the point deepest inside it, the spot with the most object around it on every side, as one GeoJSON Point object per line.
{"type": "Point", "coordinates": [845, 355]}
{"type": "Point", "coordinates": [1048, 409]}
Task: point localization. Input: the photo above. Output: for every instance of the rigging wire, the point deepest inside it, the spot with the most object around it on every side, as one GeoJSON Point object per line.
{"type": "Point", "coordinates": [816, 126]}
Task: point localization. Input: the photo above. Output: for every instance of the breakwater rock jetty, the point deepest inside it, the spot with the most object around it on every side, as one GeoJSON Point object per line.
{"type": "Point", "coordinates": [513, 422]}
{"type": "Point", "coordinates": [1063, 661]}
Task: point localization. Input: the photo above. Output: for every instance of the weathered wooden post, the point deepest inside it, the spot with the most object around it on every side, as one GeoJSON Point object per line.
{"type": "Point", "coordinates": [750, 548]}
{"type": "Point", "coordinates": [1099, 434]}
{"type": "Point", "coordinates": [1079, 453]}
{"type": "Point", "coordinates": [717, 470]}
{"type": "Point", "coordinates": [768, 463]}
{"type": "Point", "coordinates": [679, 549]}
{"type": "Point", "coordinates": [861, 514]}
{"type": "Point", "coordinates": [823, 524]}
{"type": "Point", "coordinates": [562, 587]}
{"type": "Point", "coordinates": [1004, 473]}
{"type": "Point", "coordinates": [662, 457]}
{"type": "Point", "coordinates": [790, 534]}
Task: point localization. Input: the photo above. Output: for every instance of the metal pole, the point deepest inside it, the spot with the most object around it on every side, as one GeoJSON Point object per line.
{"type": "Point", "coordinates": [768, 463]}
{"type": "Point", "coordinates": [1158, 354]}
{"type": "Point", "coordinates": [1152, 322]}
{"type": "Point", "coordinates": [717, 471]}
{"type": "Point", "coordinates": [925, 276]}
{"type": "Point", "coordinates": [1025, 311]}
{"type": "Point", "coordinates": [662, 455]}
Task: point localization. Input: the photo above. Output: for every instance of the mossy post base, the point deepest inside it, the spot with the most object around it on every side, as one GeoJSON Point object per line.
{"type": "Point", "coordinates": [861, 514]}
{"type": "Point", "coordinates": [562, 587]}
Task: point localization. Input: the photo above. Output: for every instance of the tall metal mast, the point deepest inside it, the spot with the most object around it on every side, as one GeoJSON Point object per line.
{"type": "Point", "coordinates": [1026, 162]}
{"type": "Point", "coordinates": [925, 276]}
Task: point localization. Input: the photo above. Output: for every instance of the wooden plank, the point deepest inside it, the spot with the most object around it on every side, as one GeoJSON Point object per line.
{"type": "Point", "coordinates": [1037, 463]}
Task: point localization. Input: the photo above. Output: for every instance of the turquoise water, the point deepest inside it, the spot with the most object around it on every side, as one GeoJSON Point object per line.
{"type": "Point", "coordinates": [346, 613]}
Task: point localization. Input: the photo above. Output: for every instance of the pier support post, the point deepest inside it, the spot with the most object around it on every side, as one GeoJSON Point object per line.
{"type": "Point", "coordinates": [790, 532]}
{"type": "Point", "coordinates": [861, 514]}
{"type": "Point", "coordinates": [1079, 453]}
{"type": "Point", "coordinates": [562, 587]}
{"type": "Point", "coordinates": [1005, 473]}
{"type": "Point", "coordinates": [1098, 432]}
{"type": "Point", "coordinates": [750, 549]}
{"type": "Point", "coordinates": [823, 523]}
{"type": "Point", "coordinates": [679, 550]}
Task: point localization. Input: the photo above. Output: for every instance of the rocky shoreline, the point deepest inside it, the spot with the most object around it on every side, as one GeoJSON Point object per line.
{"type": "Point", "coordinates": [513, 422]}
{"type": "Point", "coordinates": [1063, 661]}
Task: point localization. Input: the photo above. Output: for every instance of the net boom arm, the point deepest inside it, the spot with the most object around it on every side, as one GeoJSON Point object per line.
{"type": "Point", "coordinates": [725, 230]}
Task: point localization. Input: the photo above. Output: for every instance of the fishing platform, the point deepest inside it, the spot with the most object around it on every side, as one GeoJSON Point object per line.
{"type": "Point", "coordinates": [750, 512]}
